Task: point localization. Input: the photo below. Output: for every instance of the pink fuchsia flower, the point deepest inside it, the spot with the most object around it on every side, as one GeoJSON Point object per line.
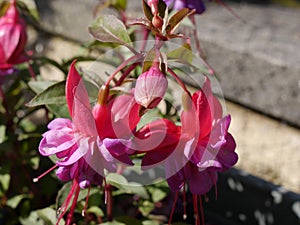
{"type": "Point", "coordinates": [198, 5]}
{"type": "Point", "coordinates": [83, 154]}
{"type": "Point", "coordinates": [194, 152]}
{"type": "Point", "coordinates": [150, 88]}
{"type": "Point", "coordinates": [13, 39]}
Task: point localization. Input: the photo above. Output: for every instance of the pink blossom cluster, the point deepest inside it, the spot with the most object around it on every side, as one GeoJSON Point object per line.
{"type": "Point", "coordinates": [13, 39]}
{"type": "Point", "coordinates": [103, 137]}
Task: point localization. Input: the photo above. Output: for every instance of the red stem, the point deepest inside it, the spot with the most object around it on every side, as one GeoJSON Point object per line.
{"type": "Point", "coordinates": [120, 67]}
{"type": "Point", "coordinates": [126, 73]}
{"type": "Point", "coordinates": [179, 81]}
{"type": "Point", "coordinates": [173, 208]}
{"type": "Point", "coordinates": [109, 202]}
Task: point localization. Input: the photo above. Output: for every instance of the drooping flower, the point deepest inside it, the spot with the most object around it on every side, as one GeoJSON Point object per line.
{"type": "Point", "coordinates": [194, 152]}
{"type": "Point", "coordinates": [150, 87]}
{"type": "Point", "coordinates": [198, 5]}
{"type": "Point", "coordinates": [85, 149]}
{"type": "Point", "coordinates": [13, 39]}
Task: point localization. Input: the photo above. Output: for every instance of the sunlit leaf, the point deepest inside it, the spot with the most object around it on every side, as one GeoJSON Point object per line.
{"type": "Point", "coordinates": [95, 210]}
{"type": "Point", "coordinates": [33, 218]}
{"type": "Point", "coordinates": [158, 195]}
{"type": "Point", "coordinates": [108, 28]}
{"type": "Point", "coordinates": [39, 86]}
{"type": "Point", "coordinates": [2, 133]}
{"type": "Point", "coordinates": [4, 181]}
{"type": "Point", "coordinates": [49, 216]}
{"type": "Point", "coordinates": [119, 4]}
{"type": "Point", "coordinates": [136, 188]}
{"type": "Point", "coordinates": [116, 180]}
{"type": "Point", "coordinates": [150, 222]}
{"type": "Point", "coordinates": [113, 223]}
{"type": "Point", "coordinates": [183, 53]}
{"type": "Point", "coordinates": [61, 111]}
{"type": "Point", "coordinates": [175, 20]}
{"type": "Point", "coordinates": [55, 94]}
{"type": "Point", "coordinates": [146, 207]}
{"type": "Point", "coordinates": [148, 61]}
{"type": "Point", "coordinates": [15, 201]}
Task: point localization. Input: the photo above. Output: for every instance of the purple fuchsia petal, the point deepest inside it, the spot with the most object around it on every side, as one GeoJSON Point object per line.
{"type": "Point", "coordinates": [200, 182]}
{"type": "Point", "coordinates": [119, 149]}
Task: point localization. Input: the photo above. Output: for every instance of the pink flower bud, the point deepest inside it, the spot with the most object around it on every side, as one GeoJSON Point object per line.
{"type": "Point", "coordinates": [150, 87]}
{"type": "Point", "coordinates": [13, 39]}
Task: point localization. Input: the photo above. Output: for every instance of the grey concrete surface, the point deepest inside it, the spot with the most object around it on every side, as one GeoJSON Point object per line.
{"type": "Point", "coordinates": [258, 62]}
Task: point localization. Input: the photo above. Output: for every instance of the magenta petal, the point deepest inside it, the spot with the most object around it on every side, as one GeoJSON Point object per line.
{"type": "Point", "coordinates": [118, 148]}
{"type": "Point", "coordinates": [100, 159]}
{"type": "Point", "coordinates": [83, 148]}
{"type": "Point", "coordinates": [176, 181]}
{"type": "Point", "coordinates": [201, 182]}
{"type": "Point", "coordinates": [63, 173]}
{"type": "Point", "coordinates": [60, 123]}
{"type": "Point", "coordinates": [227, 156]}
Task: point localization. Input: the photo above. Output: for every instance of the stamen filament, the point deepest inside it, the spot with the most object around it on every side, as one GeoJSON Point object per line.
{"type": "Point", "coordinates": [45, 173]}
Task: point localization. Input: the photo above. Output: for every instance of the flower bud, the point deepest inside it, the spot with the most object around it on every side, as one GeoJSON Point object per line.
{"type": "Point", "coordinates": [150, 88]}
{"type": "Point", "coordinates": [13, 39]}
{"type": "Point", "coordinates": [157, 22]}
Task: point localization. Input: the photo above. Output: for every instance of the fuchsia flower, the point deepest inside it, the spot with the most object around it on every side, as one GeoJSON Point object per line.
{"type": "Point", "coordinates": [150, 87]}
{"type": "Point", "coordinates": [194, 152]}
{"type": "Point", "coordinates": [84, 147]}
{"type": "Point", "coordinates": [190, 4]}
{"type": "Point", "coordinates": [13, 39]}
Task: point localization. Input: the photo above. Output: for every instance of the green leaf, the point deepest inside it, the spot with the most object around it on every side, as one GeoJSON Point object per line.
{"type": "Point", "coordinates": [4, 181]}
{"type": "Point", "coordinates": [33, 218]}
{"type": "Point", "coordinates": [49, 216]}
{"type": "Point", "coordinates": [55, 94]}
{"type": "Point", "coordinates": [175, 20]}
{"type": "Point", "coordinates": [15, 201]}
{"type": "Point", "coordinates": [183, 53]}
{"type": "Point", "coordinates": [95, 210]}
{"type": "Point", "coordinates": [116, 180]}
{"type": "Point", "coordinates": [158, 195]}
{"type": "Point", "coordinates": [162, 6]}
{"type": "Point", "coordinates": [136, 188]}
{"type": "Point", "coordinates": [39, 86]}
{"type": "Point", "coordinates": [2, 133]}
{"type": "Point", "coordinates": [148, 61]}
{"type": "Point", "coordinates": [147, 10]}
{"type": "Point", "coordinates": [150, 116]}
{"type": "Point", "coordinates": [65, 190]}
{"type": "Point", "coordinates": [113, 223]}
{"type": "Point", "coordinates": [29, 6]}
{"type": "Point", "coordinates": [146, 208]}
{"type": "Point", "coordinates": [150, 222]}
{"type": "Point", "coordinates": [119, 4]}
{"type": "Point", "coordinates": [108, 28]}
{"type": "Point", "coordinates": [61, 111]}
{"type": "Point", "coordinates": [128, 220]}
